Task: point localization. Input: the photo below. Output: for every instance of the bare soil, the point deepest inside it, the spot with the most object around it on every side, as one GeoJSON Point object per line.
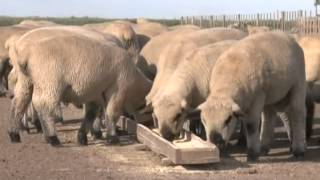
{"type": "Point", "coordinates": [34, 159]}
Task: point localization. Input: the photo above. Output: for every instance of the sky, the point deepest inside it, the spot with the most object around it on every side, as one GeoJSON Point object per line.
{"type": "Point", "coordinates": [145, 8]}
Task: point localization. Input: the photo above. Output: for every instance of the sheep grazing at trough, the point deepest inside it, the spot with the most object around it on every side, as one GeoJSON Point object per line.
{"type": "Point", "coordinates": [261, 73]}
{"type": "Point", "coordinates": [187, 88]}
{"type": "Point", "coordinates": [31, 115]}
{"type": "Point", "coordinates": [174, 53]}
{"type": "Point", "coordinates": [150, 54]}
{"type": "Point", "coordinates": [69, 64]}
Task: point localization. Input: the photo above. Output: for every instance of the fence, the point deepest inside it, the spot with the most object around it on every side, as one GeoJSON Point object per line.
{"type": "Point", "coordinates": [303, 22]}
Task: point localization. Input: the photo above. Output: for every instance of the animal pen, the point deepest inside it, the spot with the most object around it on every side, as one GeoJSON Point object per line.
{"type": "Point", "coordinates": [302, 22]}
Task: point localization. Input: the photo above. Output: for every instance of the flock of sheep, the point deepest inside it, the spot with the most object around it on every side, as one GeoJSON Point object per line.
{"type": "Point", "coordinates": [150, 72]}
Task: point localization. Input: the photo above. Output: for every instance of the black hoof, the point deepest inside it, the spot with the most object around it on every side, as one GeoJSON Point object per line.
{"type": "Point", "coordinates": [252, 156]}
{"type": "Point", "coordinates": [14, 137]}
{"type": "Point", "coordinates": [82, 138]}
{"type": "Point", "coordinates": [53, 140]}
{"type": "Point", "coordinates": [38, 127]}
{"type": "Point", "coordinates": [97, 135]}
{"type": "Point", "coordinates": [264, 150]}
{"type": "Point", "coordinates": [113, 140]}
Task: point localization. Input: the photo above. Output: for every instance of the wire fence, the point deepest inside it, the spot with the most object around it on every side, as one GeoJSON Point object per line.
{"type": "Point", "coordinates": [303, 22]}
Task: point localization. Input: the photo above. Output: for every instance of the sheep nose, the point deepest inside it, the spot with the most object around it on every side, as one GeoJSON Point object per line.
{"type": "Point", "coordinates": [217, 139]}
{"type": "Point", "coordinates": [166, 133]}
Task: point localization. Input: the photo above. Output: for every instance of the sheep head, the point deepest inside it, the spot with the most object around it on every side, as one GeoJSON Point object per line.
{"type": "Point", "coordinates": [219, 119]}
{"type": "Point", "coordinates": [170, 113]}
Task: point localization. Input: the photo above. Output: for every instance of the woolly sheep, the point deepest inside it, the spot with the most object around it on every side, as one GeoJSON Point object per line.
{"type": "Point", "coordinates": [187, 88]}
{"type": "Point", "coordinates": [64, 64]}
{"type": "Point", "coordinates": [262, 73]}
{"type": "Point", "coordinates": [175, 52]}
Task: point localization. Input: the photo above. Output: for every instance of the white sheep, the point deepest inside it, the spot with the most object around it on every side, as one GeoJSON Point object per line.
{"type": "Point", "coordinates": [65, 64]}
{"type": "Point", "coordinates": [150, 53]}
{"type": "Point", "coordinates": [311, 48]}
{"type": "Point", "coordinates": [187, 88]}
{"type": "Point", "coordinates": [175, 52]}
{"type": "Point", "coordinates": [261, 73]}
{"type": "Point", "coordinates": [5, 33]}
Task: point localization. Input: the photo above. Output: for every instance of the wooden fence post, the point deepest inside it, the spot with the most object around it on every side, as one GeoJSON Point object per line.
{"type": "Point", "coordinates": [257, 20]}
{"type": "Point", "coordinates": [224, 21]}
{"type": "Point", "coordinates": [300, 21]}
{"type": "Point", "coordinates": [282, 21]}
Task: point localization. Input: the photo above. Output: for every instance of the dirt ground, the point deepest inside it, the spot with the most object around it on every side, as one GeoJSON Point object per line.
{"type": "Point", "coordinates": [34, 159]}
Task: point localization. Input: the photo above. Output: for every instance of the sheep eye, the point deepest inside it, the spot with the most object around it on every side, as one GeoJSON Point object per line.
{"type": "Point", "coordinates": [228, 121]}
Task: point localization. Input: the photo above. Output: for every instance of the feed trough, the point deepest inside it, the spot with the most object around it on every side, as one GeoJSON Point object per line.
{"type": "Point", "coordinates": [189, 150]}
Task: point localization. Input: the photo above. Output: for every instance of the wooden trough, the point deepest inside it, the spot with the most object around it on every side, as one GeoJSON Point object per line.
{"type": "Point", "coordinates": [189, 150]}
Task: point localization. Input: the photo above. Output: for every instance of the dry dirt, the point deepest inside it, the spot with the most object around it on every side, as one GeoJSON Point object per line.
{"type": "Point", "coordinates": [34, 159]}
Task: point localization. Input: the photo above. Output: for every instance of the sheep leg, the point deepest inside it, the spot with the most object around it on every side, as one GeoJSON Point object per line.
{"type": "Point", "coordinates": [24, 122]}
{"type": "Point", "coordinates": [45, 102]}
{"type": "Point", "coordinates": [91, 110]}
{"type": "Point", "coordinates": [253, 141]}
{"type": "Point", "coordinates": [286, 123]}
{"type": "Point", "coordinates": [2, 74]}
{"type": "Point", "coordinates": [267, 126]}
{"type": "Point", "coordinates": [113, 112]}
{"type": "Point", "coordinates": [19, 104]}
{"type": "Point", "coordinates": [310, 107]}
{"type": "Point", "coordinates": [297, 124]}
{"type": "Point", "coordinates": [252, 128]}
{"type": "Point", "coordinates": [48, 126]}
{"type": "Point", "coordinates": [35, 119]}
{"type": "Point", "coordinates": [97, 124]}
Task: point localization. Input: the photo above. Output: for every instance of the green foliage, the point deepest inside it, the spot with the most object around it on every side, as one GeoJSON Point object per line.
{"type": "Point", "coordinates": [6, 20]}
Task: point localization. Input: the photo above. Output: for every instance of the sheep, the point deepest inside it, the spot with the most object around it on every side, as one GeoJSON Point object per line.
{"type": "Point", "coordinates": [5, 33]}
{"type": "Point", "coordinates": [257, 29]}
{"type": "Point", "coordinates": [125, 33]}
{"type": "Point", "coordinates": [58, 64]}
{"type": "Point", "coordinates": [310, 45]}
{"type": "Point", "coordinates": [184, 26]}
{"type": "Point", "coordinates": [175, 52]}
{"type": "Point", "coordinates": [31, 114]}
{"type": "Point", "coordinates": [37, 23]}
{"type": "Point", "coordinates": [122, 30]}
{"type": "Point", "coordinates": [148, 30]}
{"type": "Point", "coordinates": [250, 29]}
{"type": "Point", "coordinates": [150, 53]}
{"type": "Point", "coordinates": [188, 87]}
{"type": "Point", "coordinates": [261, 73]}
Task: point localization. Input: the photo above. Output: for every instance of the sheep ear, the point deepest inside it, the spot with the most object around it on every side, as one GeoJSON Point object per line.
{"type": "Point", "coordinates": [147, 109]}
{"type": "Point", "coordinates": [237, 112]}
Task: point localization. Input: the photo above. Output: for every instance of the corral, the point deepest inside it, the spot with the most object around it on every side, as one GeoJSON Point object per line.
{"type": "Point", "coordinates": [216, 97]}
